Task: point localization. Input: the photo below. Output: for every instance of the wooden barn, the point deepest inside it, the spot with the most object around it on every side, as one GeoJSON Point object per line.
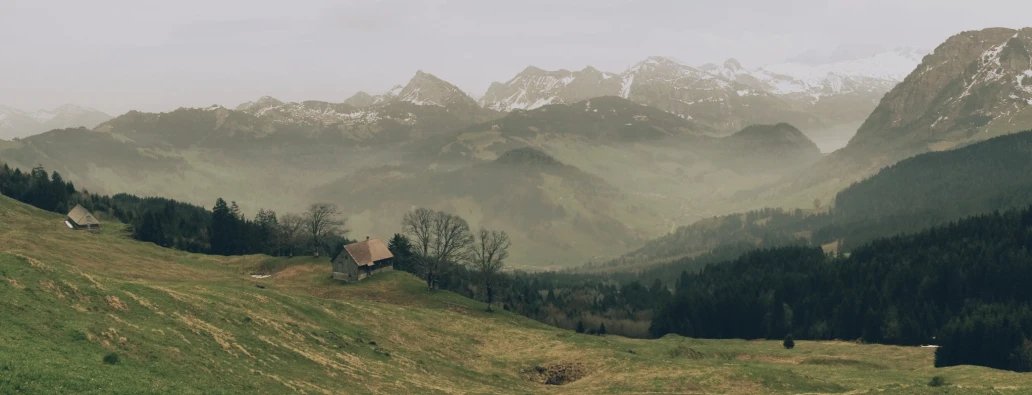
{"type": "Point", "coordinates": [362, 259]}
{"type": "Point", "coordinates": [81, 218]}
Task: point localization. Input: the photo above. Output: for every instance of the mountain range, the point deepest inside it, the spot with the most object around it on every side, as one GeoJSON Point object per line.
{"type": "Point", "coordinates": [826, 101]}
{"type": "Point", "coordinates": [673, 144]}
{"type": "Point", "coordinates": [819, 99]}
{"type": "Point", "coordinates": [974, 86]}
{"type": "Point", "coordinates": [365, 159]}
{"type": "Point", "coordinates": [15, 123]}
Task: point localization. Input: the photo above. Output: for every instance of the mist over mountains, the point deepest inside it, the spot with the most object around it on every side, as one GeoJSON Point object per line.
{"type": "Point", "coordinates": [15, 123]}
{"type": "Point", "coordinates": [824, 100]}
{"type": "Point", "coordinates": [973, 87]}
{"type": "Point", "coordinates": [667, 143]}
{"type": "Point", "coordinates": [560, 197]}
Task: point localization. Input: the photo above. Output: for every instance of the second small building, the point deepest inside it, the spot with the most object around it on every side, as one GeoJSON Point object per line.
{"type": "Point", "coordinates": [362, 259]}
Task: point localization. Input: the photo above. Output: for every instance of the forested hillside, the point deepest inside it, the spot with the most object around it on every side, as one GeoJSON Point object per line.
{"type": "Point", "coordinates": [916, 193]}
{"type": "Point", "coordinates": [943, 186]}
{"type": "Point", "coordinates": [962, 286]}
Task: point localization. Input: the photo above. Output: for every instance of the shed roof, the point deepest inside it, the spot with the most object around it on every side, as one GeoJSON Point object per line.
{"type": "Point", "coordinates": [365, 253]}
{"type": "Point", "coordinates": [82, 217]}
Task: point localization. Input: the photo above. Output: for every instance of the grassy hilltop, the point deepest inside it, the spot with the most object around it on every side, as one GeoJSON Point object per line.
{"type": "Point", "coordinates": [189, 323]}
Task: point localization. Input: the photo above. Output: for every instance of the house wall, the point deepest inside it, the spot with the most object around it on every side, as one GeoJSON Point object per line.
{"type": "Point", "coordinates": [345, 269]}
{"type": "Point", "coordinates": [383, 266]}
{"type": "Point", "coordinates": [77, 226]}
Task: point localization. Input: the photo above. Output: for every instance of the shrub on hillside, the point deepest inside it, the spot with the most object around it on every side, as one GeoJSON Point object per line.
{"type": "Point", "coordinates": [111, 359]}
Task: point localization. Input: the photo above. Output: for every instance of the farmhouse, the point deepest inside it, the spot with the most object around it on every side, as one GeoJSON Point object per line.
{"type": "Point", "coordinates": [80, 218]}
{"type": "Point", "coordinates": [363, 259]}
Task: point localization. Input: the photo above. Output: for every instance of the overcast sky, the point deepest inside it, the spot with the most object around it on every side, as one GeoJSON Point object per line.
{"type": "Point", "coordinates": [117, 55]}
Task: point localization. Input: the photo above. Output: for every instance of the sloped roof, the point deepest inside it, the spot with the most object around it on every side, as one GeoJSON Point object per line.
{"type": "Point", "coordinates": [82, 217]}
{"type": "Point", "coordinates": [366, 252]}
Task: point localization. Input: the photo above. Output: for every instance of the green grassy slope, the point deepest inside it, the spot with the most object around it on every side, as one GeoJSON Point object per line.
{"type": "Point", "coordinates": [189, 323]}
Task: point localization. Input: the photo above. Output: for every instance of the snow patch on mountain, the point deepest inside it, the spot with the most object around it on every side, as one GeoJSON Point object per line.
{"type": "Point", "coordinates": [873, 74]}
{"type": "Point", "coordinates": [892, 65]}
{"type": "Point", "coordinates": [534, 87]}
{"type": "Point", "coordinates": [625, 89]}
{"type": "Point", "coordinates": [389, 96]}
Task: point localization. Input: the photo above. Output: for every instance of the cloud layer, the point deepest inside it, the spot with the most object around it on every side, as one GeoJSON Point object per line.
{"type": "Point", "coordinates": [118, 55]}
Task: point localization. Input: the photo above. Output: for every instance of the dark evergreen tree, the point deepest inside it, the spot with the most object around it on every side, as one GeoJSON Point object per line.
{"type": "Point", "coordinates": [401, 247]}
{"type": "Point", "coordinates": [223, 224]}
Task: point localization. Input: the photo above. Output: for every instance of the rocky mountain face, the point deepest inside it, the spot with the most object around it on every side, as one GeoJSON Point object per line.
{"type": "Point", "coordinates": [975, 85]}
{"type": "Point", "coordinates": [427, 105]}
{"type": "Point", "coordinates": [725, 97]}
{"type": "Point", "coordinates": [360, 99]}
{"type": "Point", "coordinates": [716, 103]}
{"type": "Point", "coordinates": [839, 93]}
{"type": "Point", "coordinates": [16, 123]}
{"type": "Point", "coordinates": [535, 87]}
{"type": "Point", "coordinates": [877, 73]}
{"type": "Point", "coordinates": [726, 106]}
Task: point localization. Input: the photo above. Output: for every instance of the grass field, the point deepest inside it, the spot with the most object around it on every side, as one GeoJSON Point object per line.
{"type": "Point", "coordinates": [189, 323]}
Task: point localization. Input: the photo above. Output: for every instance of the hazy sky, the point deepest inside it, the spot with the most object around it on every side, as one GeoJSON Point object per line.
{"type": "Point", "coordinates": [117, 55]}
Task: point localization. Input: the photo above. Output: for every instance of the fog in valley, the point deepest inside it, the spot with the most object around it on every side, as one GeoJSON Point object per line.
{"type": "Point", "coordinates": [311, 185]}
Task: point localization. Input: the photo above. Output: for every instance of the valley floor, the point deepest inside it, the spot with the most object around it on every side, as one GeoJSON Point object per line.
{"type": "Point", "coordinates": [190, 323]}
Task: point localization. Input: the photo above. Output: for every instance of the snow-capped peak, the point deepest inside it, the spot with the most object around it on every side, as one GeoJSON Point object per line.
{"type": "Point", "coordinates": [534, 87]}
{"type": "Point", "coordinates": [891, 65]}
{"type": "Point", "coordinates": [425, 89]}
{"type": "Point", "coordinates": [871, 74]}
{"type": "Point", "coordinates": [730, 70]}
{"type": "Point", "coordinates": [263, 102]}
{"type": "Point", "coordinates": [389, 96]}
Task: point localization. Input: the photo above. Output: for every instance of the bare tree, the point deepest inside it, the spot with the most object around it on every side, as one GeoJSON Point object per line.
{"type": "Point", "coordinates": [323, 219]}
{"type": "Point", "coordinates": [291, 227]}
{"type": "Point", "coordinates": [440, 239]}
{"type": "Point", "coordinates": [419, 224]}
{"type": "Point", "coordinates": [487, 257]}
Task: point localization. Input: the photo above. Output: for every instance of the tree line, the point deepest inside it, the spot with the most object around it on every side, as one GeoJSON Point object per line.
{"type": "Point", "coordinates": [442, 249]}
{"type": "Point", "coordinates": [224, 230]}
{"type": "Point", "coordinates": [962, 286]}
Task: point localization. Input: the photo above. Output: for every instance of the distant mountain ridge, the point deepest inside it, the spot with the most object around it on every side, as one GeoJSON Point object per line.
{"type": "Point", "coordinates": [424, 99]}
{"type": "Point", "coordinates": [974, 86]}
{"type": "Point", "coordinates": [876, 73]}
{"type": "Point", "coordinates": [923, 191]}
{"type": "Point", "coordinates": [727, 97]}
{"type": "Point", "coordinates": [15, 123]}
